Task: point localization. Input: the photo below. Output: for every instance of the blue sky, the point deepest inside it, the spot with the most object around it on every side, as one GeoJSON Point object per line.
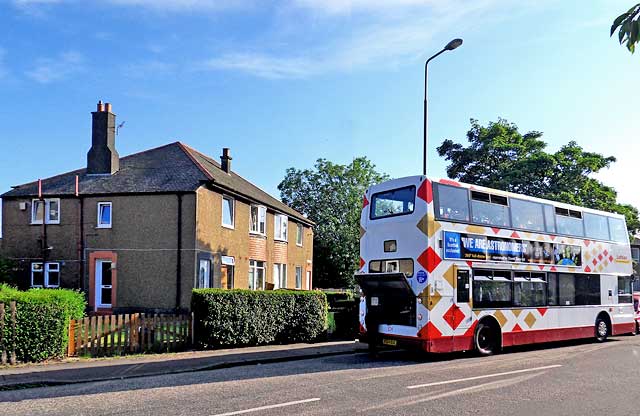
{"type": "Point", "coordinates": [283, 83]}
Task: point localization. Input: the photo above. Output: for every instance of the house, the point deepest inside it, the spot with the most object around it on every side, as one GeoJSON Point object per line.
{"type": "Point", "coordinates": [138, 233]}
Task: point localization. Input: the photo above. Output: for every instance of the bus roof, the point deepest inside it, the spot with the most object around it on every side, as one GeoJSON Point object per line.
{"type": "Point", "coordinates": [419, 178]}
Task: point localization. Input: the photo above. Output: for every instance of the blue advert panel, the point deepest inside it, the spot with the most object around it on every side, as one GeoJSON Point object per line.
{"type": "Point", "coordinates": [479, 247]}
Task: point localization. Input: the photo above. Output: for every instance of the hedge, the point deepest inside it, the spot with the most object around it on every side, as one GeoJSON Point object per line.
{"type": "Point", "coordinates": [226, 318]}
{"type": "Point", "coordinates": [42, 321]}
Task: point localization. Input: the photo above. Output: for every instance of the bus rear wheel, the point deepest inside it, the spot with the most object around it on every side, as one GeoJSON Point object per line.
{"type": "Point", "coordinates": [486, 339]}
{"type": "Point", "coordinates": [602, 330]}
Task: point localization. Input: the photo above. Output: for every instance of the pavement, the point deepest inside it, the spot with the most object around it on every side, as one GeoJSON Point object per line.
{"type": "Point", "coordinates": [83, 370]}
{"type": "Point", "coordinates": [573, 378]}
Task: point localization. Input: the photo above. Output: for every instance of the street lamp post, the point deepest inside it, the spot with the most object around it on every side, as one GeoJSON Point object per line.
{"type": "Point", "coordinates": [449, 47]}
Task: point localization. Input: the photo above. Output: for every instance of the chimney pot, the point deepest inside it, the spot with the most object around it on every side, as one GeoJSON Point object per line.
{"type": "Point", "coordinates": [100, 106]}
{"type": "Point", "coordinates": [107, 107]}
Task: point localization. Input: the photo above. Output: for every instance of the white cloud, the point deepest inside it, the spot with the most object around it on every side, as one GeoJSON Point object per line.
{"type": "Point", "coordinates": [384, 40]}
{"type": "Point", "coordinates": [337, 7]}
{"type": "Point", "coordinates": [262, 65]}
{"type": "Point", "coordinates": [185, 5]}
{"type": "Point", "coordinates": [49, 70]}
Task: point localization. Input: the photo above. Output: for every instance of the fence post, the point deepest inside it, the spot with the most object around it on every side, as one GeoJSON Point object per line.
{"type": "Point", "coordinates": [72, 338]}
{"type": "Point", "coordinates": [3, 344]}
{"type": "Point", "coordinates": [12, 359]}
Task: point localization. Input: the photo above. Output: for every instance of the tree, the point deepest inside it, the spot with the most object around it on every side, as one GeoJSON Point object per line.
{"type": "Point", "coordinates": [500, 157]}
{"type": "Point", "coordinates": [628, 26]}
{"type": "Point", "coordinates": [331, 195]}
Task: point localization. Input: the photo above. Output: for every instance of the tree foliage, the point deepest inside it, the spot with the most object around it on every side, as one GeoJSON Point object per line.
{"type": "Point", "coordinates": [499, 156]}
{"type": "Point", "coordinates": [628, 26]}
{"type": "Point", "coordinates": [331, 195]}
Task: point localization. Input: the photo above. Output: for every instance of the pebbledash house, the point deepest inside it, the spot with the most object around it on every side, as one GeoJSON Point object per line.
{"type": "Point", "coordinates": [140, 232]}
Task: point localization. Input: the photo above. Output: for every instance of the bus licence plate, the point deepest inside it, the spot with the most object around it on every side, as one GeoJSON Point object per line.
{"type": "Point", "coordinates": [391, 342]}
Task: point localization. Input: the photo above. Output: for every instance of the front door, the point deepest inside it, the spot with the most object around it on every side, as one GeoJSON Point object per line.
{"type": "Point", "coordinates": [104, 284]}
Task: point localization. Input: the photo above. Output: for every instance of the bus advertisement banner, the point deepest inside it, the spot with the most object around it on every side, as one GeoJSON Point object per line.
{"type": "Point", "coordinates": [485, 248]}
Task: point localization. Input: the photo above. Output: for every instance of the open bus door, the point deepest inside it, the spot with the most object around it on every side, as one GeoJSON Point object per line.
{"type": "Point", "coordinates": [389, 300]}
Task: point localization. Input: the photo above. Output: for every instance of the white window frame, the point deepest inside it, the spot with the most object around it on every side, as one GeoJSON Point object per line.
{"type": "Point", "coordinates": [279, 275]}
{"type": "Point", "coordinates": [46, 270]}
{"type": "Point", "coordinates": [233, 212]}
{"type": "Point", "coordinates": [253, 266]}
{"type": "Point", "coordinates": [299, 269]}
{"type": "Point", "coordinates": [47, 211]}
{"type": "Point", "coordinates": [99, 223]}
{"type": "Point", "coordinates": [280, 233]}
{"type": "Point", "coordinates": [299, 234]}
{"type": "Point", "coordinates": [261, 210]}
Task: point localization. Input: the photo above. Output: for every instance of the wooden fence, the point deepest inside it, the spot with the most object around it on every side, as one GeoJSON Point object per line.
{"type": "Point", "coordinates": [7, 346]}
{"type": "Point", "coordinates": [129, 334]}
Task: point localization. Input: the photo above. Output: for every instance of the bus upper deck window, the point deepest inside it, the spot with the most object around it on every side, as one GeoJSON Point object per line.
{"type": "Point", "coordinates": [452, 203]}
{"type": "Point", "coordinates": [394, 202]}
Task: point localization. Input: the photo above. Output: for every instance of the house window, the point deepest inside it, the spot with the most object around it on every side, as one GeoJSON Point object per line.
{"type": "Point", "coordinates": [258, 219]}
{"type": "Point", "coordinates": [299, 234]}
{"type": "Point", "coordinates": [298, 277]}
{"type": "Point", "coordinates": [256, 275]}
{"type": "Point", "coordinates": [228, 211]}
{"type": "Point", "coordinates": [279, 276]}
{"type": "Point", "coordinates": [104, 215]}
{"type": "Point", "coordinates": [204, 274]}
{"type": "Point", "coordinates": [281, 222]}
{"type": "Point", "coordinates": [47, 276]}
{"type": "Point", "coordinates": [48, 209]}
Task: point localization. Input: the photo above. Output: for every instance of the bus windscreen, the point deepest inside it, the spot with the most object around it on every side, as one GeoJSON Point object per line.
{"type": "Point", "coordinates": [394, 202]}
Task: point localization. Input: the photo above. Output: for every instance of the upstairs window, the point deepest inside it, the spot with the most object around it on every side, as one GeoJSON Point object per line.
{"type": "Point", "coordinates": [48, 209]}
{"type": "Point", "coordinates": [569, 222]}
{"type": "Point", "coordinates": [299, 234]}
{"type": "Point", "coordinates": [258, 219]}
{"type": "Point", "coordinates": [395, 202]}
{"type": "Point", "coordinates": [527, 215]}
{"type": "Point", "coordinates": [281, 223]}
{"type": "Point", "coordinates": [618, 229]}
{"type": "Point", "coordinates": [104, 215]}
{"type": "Point", "coordinates": [490, 209]}
{"type": "Point", "coordinates": [596, 226]}
{"type": "Point", "coordinates": [228, 211]}
{"type": "Point", "coordinates": [452, 203]}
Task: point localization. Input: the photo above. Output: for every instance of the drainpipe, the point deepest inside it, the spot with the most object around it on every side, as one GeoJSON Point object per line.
{"type": "Point", "coordinates": [179, 256]}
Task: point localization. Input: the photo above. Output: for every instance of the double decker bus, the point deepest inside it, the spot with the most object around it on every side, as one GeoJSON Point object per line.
{"type": "Point", "coordinates": [447, 266]}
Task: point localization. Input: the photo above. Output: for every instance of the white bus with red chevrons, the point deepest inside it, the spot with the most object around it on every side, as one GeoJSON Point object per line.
{"type": "Point", "coordinates": [447, 266]}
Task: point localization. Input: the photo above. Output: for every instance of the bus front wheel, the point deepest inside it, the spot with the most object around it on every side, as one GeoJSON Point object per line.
{"type": "Point", "coordinates": [486, 339]}
{"type": "Point", "coordinates": [602, 329]}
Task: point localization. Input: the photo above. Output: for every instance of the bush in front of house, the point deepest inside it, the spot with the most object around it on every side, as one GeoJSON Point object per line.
{"type": "Point", "coordinates": [42, 321]}
{"type": "Point", "coordinates": [226, 318]}
{"type": "Point", "coordinates": [344, 308]}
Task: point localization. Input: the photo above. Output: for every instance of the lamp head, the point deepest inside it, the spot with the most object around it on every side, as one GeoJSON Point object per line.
{"type": "Point", "coordinates": [453, 44]}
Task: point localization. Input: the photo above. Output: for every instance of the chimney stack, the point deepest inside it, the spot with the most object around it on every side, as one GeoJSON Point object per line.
{"type": "Point", "coordinates": [103, 159]}
{"type": "Point", "coordinates": [225, 160]}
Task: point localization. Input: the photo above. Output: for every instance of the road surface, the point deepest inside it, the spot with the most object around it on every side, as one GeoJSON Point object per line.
{"type": "Point", "coordinates": [563, 379]}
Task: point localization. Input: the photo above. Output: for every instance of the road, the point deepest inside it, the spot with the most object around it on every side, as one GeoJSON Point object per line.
{"type": "Point", "coordinates": [567, 379]}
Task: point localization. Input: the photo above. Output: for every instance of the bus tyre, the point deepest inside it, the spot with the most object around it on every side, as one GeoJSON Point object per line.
{"type": "Point", "coordinates": [602, 329]}
{"type": "Point", "coordinates": [486, 339]}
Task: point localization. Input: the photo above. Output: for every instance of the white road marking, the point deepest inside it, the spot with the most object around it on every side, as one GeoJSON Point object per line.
{"type": "Point", "coordinates": [460, 380]}
{"type": "Point", "coordinates": [272, 406]}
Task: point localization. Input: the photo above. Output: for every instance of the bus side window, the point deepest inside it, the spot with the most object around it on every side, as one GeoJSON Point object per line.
{"type": "Point", "coordinates": [552, 287]}
{"type": "Point", "coordinates": [452, 203]}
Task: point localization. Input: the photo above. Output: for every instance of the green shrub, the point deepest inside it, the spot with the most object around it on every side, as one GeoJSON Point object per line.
{"type": "Point", "coordinates": [334, 298]}
{"type": "Point", "coordinates": [225, 318]}
{"type": "Point", "coordinates": [8, 273]}
{"type": "Point", "coordinates": [42, 321]}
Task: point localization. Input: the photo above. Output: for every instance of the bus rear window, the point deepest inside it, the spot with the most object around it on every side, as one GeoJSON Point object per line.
{"type": "Point", "coordinates": [395, 202]}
